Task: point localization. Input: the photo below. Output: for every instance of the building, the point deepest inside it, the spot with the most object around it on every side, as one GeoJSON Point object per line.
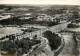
{"type": "Point", "coordinates": [44, 17]}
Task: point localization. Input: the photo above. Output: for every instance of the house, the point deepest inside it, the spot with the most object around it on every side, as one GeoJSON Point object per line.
{"type": "Point", "coordinates": [44, 17]}
{"type": "Point", "coordinates": [26, 16]}
{"type": "Point", "coordinates": [4, 17]}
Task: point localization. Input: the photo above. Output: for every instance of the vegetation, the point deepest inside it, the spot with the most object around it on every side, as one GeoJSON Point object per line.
{"type": "Point", "coordinates": [25, 44]}
{"type": "Point", "coordinates": [72, 26]}
{"type": "Point", "coordinates": [17, 21]}
{"type": "Point", "coordinates": [54, 39]}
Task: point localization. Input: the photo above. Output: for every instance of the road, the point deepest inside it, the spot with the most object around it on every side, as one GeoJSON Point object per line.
{"type": "Point", "coordinates": [55, 28]}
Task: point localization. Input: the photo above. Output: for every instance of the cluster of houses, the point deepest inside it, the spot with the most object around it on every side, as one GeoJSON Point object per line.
{"type": "Point", "coordinates": [6, 15]}
{"type": "Point", "coordinates": [38, 17]}
{"type": "Point", "coordinates": [44, 17]}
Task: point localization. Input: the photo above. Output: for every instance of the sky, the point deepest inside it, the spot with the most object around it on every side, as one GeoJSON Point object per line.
{"type": "Point", "coordinates": [41, 2]}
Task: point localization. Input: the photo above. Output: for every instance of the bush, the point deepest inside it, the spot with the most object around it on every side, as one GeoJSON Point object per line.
{"type": "Point", "coordinates": [25, 44]}
{"type": "Point", "coordinates": [72, 26]}
{"type": "Point", "coordinates": [54, 39]}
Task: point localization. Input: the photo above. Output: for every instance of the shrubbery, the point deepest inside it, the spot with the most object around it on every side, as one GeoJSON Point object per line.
{"type": "Point", "coordinates": [25, 44]}
{"type": "Point", "coordinates": [72, 26]}
{"type": "Point", "coordinates": [54, 39]}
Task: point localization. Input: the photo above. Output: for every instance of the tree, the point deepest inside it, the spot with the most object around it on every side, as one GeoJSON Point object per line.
{"type": "Point", "coordinates": [8, 46]}
{"type": "Point", "coordinates": [54, 39]}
